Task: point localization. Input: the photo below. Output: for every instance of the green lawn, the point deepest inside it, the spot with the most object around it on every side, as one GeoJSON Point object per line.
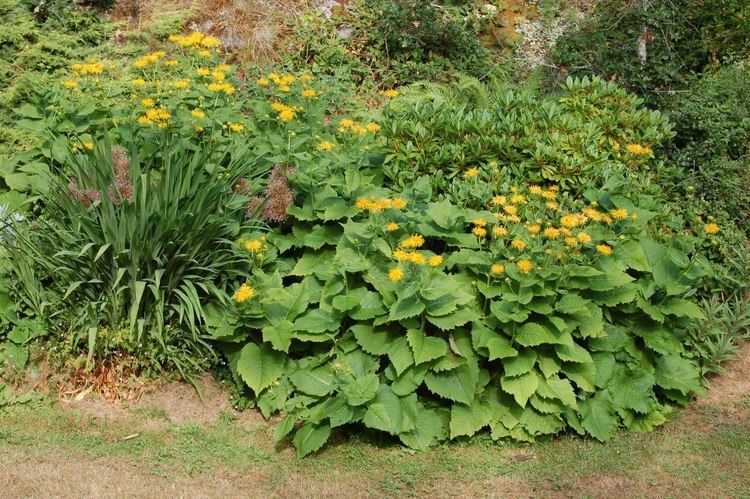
{"type": "Point", "coordinates": [57, 447]}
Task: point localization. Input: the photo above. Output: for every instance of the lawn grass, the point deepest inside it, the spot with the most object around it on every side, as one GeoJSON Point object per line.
{"type": "Point", "coordinates": [702, 452]}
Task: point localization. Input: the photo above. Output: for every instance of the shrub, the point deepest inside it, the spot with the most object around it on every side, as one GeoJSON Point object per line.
{"type": "Point", "coordinates": [680, 38]}
{"type": "Point", "coordinates": [590, 130]}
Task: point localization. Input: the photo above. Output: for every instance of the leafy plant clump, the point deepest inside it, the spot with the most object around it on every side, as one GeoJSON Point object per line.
{"type": "Point", "coordinates": [437, 309]}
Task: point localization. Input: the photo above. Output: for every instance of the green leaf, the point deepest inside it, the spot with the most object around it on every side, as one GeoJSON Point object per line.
{"type": "Point", "coordinates": [597, 416]}
{"type": "Point", "coordinates": [677, 373]}
{"type": "Point", "coordinates": [469, 419]}
{"type": "Point", "coordinates": [279, 335]}
{"type": "Point", "coordinates": [317, 382]}
{"type": "Point", "coordinates": [571, 304]}
{"type": "Point", "coordinates": [457, 384]}
{"type": "Point", "coordinates": [521, 387]}
{"type": "Point", "coordinates": [682, 308]}
{"type": "Point", "coordinates": [454, 320]}
{"type": "Point", "coordinates": [532, 334]}
{"type": "Point", "coordinates": [371, 341]}
{"type": "Point", "coordinates": [632, 389]}
{"type": "Point", "coordinates": [400, 355]}
{"type": "Point", "coordinates": [520, 364]}
{"type": "Point", "coordinates": [260, 366]}
{"type": "Point", "coordinates": [310, 437]}
{"type": "Point", "coordinates": [406, 307]}
{"type": "Point", "coordinates": [362, 390]}
{"type": "Point", "coordinates": [425, 348]}
{"type": "Point", "coordinates": [386, 413]}
{"type": "Point", "coordinates": [573, 353]}
{"type": "Point", "coordinates": [316, 321]}
{"type": "Point", "coordinates": [428, 429]}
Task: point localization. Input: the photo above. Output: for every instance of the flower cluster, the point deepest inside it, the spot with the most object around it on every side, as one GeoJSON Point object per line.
{"type": "Point", "coordinates": [284, 113]}
{"type": "Point", "coordinates": [195, 40]}
{"type": "Point", "coordinates": [244, 293]}
{"type": "Point", "coordinates": [349, 125]}
{"type": "Point", "coordinates": [376, 205]}
{"type": "Point", "coordinates": [158, 116]}
{"type": "Point", "coordinates": [89, 68]}
{"type": "Point", "coordinates": [149, 59]}
{"type": "Point", "coordinates": [638, 149]}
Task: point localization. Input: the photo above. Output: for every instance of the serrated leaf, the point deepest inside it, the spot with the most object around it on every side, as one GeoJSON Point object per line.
{"type": "Point", "coordinates": [632, 389]}
{"type": "Point", "coordinates": [309, 438]}
{"type": "Point", "coordinates": [279, 335]}
{"type": "Point", "coordinates": [469, 419]}
{"type": "Point", "coordinates": [521, 363]}
{"type": "Point", "coordinates": [425, 348]}
{"type": "Point", "coordinates": [428, 429]}
{"type": "Point", "coordinates": [532, 334]}
{"type": "Point", "coordinates": [317, 382]}
{"type": "Point", "coordinates": [682, 308]}
{"type": "Point", "coordinates": [457, 384]}
{"type": "Point", "coordinates": [677, 373]}
{"type": "Point", "coordinates": [455, 319]}
{"type": "Point", "coordinates": [521, 387]}
{"type": "Point", "coordinates": [405, 308]}
{"type": "Point", "coordinates": [371, 341]}
{"type": "Point", "coordinates": [400, 355]}
{"type": "Point", "coordinates": [597, 416]}
{"type": "Point", "coordinates": [260, 366]}
{"type": "Point", "coordinates": [362, 390]}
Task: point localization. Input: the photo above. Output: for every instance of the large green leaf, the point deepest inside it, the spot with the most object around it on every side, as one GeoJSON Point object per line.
{"type": "Point", "coordinates": [457, 384]}
{"type": "Point", "coordinates": [469, 419]}
{"type": "Point", "coordinates": [310, 437]}
{"type": "Point", "coordinates": [425, 348]}
{"type": "Point", "coordinates": [677, 373]}
{"type": "Point", "coordinates": [597, 416]}
{"type": "Point", "coordinates": [259, 366]}
{"type": "Point", "coordinates": [318, 382]}
{"type": "Point", "coordinates": [521, 387]}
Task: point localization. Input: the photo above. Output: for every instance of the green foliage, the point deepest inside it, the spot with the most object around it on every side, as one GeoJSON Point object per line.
{"type": "Point", "coordinates": [681, 38]}
{"type": "Point", "coordinates": [423, 338]}
{"type": "Point", "coordinates": [574, 138]}
{"type": "Point", "coordinates": [395, 42]}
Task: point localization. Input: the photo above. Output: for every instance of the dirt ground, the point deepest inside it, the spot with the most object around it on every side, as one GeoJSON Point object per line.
{"type": "Point", "coordinates": [176, 442]}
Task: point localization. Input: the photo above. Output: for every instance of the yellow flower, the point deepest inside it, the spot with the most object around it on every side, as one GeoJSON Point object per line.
{"type": "Point", "coordinates": [604, 249]}
{"type": "Point", "coordinates": [417, 258]}
{"type": "Point", "coordinates": [711, 228]}
{"type": "Point", "coordinates": [145, 120]}
{"type": "Point", "coordinates": [619, 213]}
{"type": "Point", "coordinates": [199, 129]}
{"type": "Point", "coordinates": [571, 241]}
{"type": "Point", "coordinates": [70, 84]}
{"type": "Point", "coordinates": [549, 194]}
{"type": "Point", "coordinates": [171, 63]}
{"type": "Point", "coordinates": [499, 230]}
{"type": "Point", "coordinates": [551, 205]}
{"type": "Point", "coordinates": [309, 92]}
{"type": "Point", "coordinates": [203, 72]}
{"type": "Point", "coordinates": [139, 82]}
{"type": "Point", "coordinates": [571, 220]}
{"type": "Point", "coordinates": [525, 266]}
{"type": "Point", "coordinates": [286, 114]}
{"type": "Point", "coordinates": [479, 231]}
{"type": "Point", "coordinates": [584, 237]}
{"type": "Point", "coordinates": [535, 189]}
{"type": "Point", "coordinates": [518, 244]}
{"type": "Point", "coordinates": [480, 222]}
{"type": "Point", "coordinates": [471, 172]}
{"type": "Point", "coordinates": [253, 245]}
{"type": "Point", "coordinates": [398, 203]}
{"type": "Point", "coordinates": [244, 293]}
{"type": "Point", "coordinates": [147, 102]}
{"type": "Point", "coordinates": [498, 200]}
{"type": "Point", "coordinates": [401, 256]}
{"type": "Point", "coordinates": [639, 149]}
{"type": "Point", "coordinates": [236, 127]}
{"type": "Point", "coordinates": [510, 209]}
{"type": "Point", "coordinates": [435, 260]}
{"type": "Point", "coordinates": [497, 268]}
{"type": "Point", "coordinates": [181, 84]}
{"type": "Point", "coordinates": [517, 199]}
{"type": "Point", "coordinates": [262, 82]}
{"type": "Point", "coordinates": [391, 227]}
{"type": "Point", "coordinates": [89, 146]}
{"type": "Point", "coordinates": [390, 93]}
{"type": "Point", "coordinates": [395, 274]}
{"type": "Point", "coordinates": [372, 127]}
{"type": "Point", "coordinates": [534, 229]}
{"type": "Point", "coordinates": [415, 241]}
{"type": "Point", "coordinates": [210, 42]}
{"type": "Point", "coordinates": [325, 146]}
{"type": "Point", "coordinates": [284, 88]}
{"type": "Point", "coordinates": [197, 114]}
{"type": "Point", "coordinates": [551, 232]}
